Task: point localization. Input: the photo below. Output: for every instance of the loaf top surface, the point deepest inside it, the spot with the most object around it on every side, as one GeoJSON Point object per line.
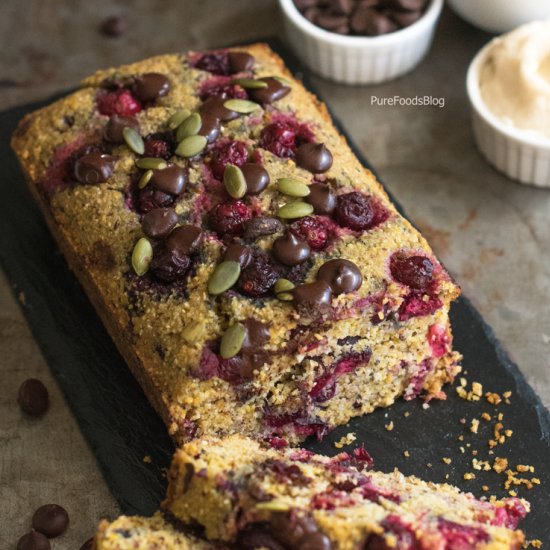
{"type": "Point", "coordinates": [115, 173]}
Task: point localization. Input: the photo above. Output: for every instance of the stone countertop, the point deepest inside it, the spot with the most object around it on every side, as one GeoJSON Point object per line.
{"type": "Point", "coordinates": [492, 234]}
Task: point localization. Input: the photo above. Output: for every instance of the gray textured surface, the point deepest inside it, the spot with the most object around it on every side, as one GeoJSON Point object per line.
{"type": "Point", "coordinates": [492, 234]}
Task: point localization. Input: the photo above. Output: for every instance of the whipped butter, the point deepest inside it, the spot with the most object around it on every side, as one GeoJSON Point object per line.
{"type": "Point", "coordinates": [514, 80]}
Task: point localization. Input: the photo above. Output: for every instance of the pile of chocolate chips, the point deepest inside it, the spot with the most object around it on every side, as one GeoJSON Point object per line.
{"type": "Point", "coordinates": [362, 17]}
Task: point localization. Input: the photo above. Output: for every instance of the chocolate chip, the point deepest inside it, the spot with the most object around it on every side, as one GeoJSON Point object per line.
{"type": "Point", "coordinates": [33, 541]}
{"type": "Point", "coordinates": [213, 107]}
{"type": "Point", "coordinates": [93, 168]}
{"type": "Point", "coordinates": [170, 180]}
{"type": "Point", "coordinates": [407, 5]}
{"type": "Point", "coordinates": [321, 198]}
{"type": "Point", "coordinates": [51, 520]}
{"type": "Point", "coordinates": [240, 62]}
{"type": "Point", "coordinates": [304, 4]}
{"type": "Point", "coordinates": [33, 397]}
{"type": "Point", "coordinates": [168, 265]}
{"type": "Point", "coordinates": [88, 545]}
{"type": "Point", "coordinates": [331, 22]}
{"type": "Point", "coordinates": [150, 86]}
{"type": "Point", "coordinates": [314, 157]}
{"type": "Point", "coordinates": [238, 253]}
{"type": "Point", "coordinates": [115, 125]}
{"type": "Point", "coordinates": [159, 222]}
{"type": "Point", "coordinates": [257, 334]}
{"type": "Point", "coordinates": [379, 24]}
{"type": "Point", "coordinates": [260, 227]}
{"type": "Point", "coordinates": [312, 298]}
{"type": "Point", "coordinates": [290, 250]}
{"type": "Point", "coordinates": [184, 239]}
{"type": "Point", "coordinates": [342, 275]}
{"type": "Point", "coordinates": [274, 91]}
{"type": "Point", "coordinates": [342, 6]}
{"type": "Point", "coordinates": [210, 127]}
{"type": "Point", "coordinates": [114, 26]}
{"type": "Point", "coordinates": [405, 18]}
{"type": "Point", "coordinates": [256, 176]}
{"type": "Point", "coordinates": [315, 541]}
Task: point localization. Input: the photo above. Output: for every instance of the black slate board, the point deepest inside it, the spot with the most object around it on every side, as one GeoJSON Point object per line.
{"type": "Point", "coordinates": [122, 428]}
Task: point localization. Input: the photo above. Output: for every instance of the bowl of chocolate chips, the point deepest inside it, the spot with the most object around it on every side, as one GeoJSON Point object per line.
{"type": "Point", "coordinates": [361, 41]}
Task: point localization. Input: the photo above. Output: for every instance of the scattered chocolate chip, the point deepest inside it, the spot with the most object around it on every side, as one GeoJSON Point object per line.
{"type": "Point", "coordinates": [238, 253]}
{"type": "Point", "coordinates": [240, 62]}
{"type": "Point", "coordinates": [314, 157]}
{"type": "Point", "coordinates": [210, 127]}
{"type": "Point", "coordinates": [257, 334]}
{"type": "Point", "coordinates": [170, 180]}
{"type": "Point", "coordinates": [322, 198]}
{"type": "Point", "coordinates": [94, 167]}
{"type": "Point", "coordinates": [159, 222]}
{"type": "Point", "coordinates": [184, 239]}
{"type": "Point", "coordinates": [115, 125]}
{"type": "Point", "coordinates": [51, 520]}
{"type": "Point", "coordinates": [274, 91]}
{"type": "Point", "coordinates": [88, 545]}
{"type": "Point", "coordinates": [312, 298]}
{"type": "Point", "coordinates": [114, 26]}
{"type": "Point", "coordinates": [33, 541]}
{"type": "Point", "coordinates": [290, 250]}
{"type": "Point", "coordinates": [256, 176]}
{"type": "Point", "coordinates": [150, 86]}
{"type": "Point", "coordinates": [260, 227]}
{"type": "Point", "coordinates": [33, 397]}
{"type": "Point", "coordinates": [213, 107]}
{"type": "Point", "coordinates": [342, 275]}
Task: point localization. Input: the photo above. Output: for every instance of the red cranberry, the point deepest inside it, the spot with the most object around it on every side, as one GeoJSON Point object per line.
{"type": "Point", "coordinates": [415, 304]}
{"type": "Point", "coordinates": [168, 265]}
{"type": "Point", "coordinates": [312, 230]}
{"type": "Point", "coordinates": [259, 276]}
{"type": "Point", "coordinates": [414, 271]}
{"type": "Point", "coordinates": [510, 514]}
{"type": "Point", "coordinates": [118, 102]}
{"type": "Point", "coordinates": [150, 198]}
{"type": "Point", "coordinates": [214, 62]}
{"type": "Point", "coordinates": [279, 138]}
{"type": "Point", "coordinates": [228, 218]}
{"type": "Point", "coordinates": [461, 537]}
{"type": "Point", "coordinates": [225, 90]}
{"type": "Point", "coordinates": [157, 148]}
{"type": "Point", "coordinates": [356, 211]}
{"type": "Point", "coordinates": [232, 152]}
{"type": "Point", "coordinates": [404, 536]}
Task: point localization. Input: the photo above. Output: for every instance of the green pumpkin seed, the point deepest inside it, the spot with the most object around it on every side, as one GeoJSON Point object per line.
{"type": "Point", "coordinates": [189, 127]}
{"type": "Point", "coordinates": [296, 209]}
{"type": "Point", "coordinates": [151, 163]}
{"type": "Point", "coordinates": [193, 331]}
{"type": "Point", "coordinates": [292, 187]}
{"type": "Point", "coordinates": [285, 297]}
{"type": "Point", "coordinates": [234, 181]}
{"type": "Point", "coordinates": [232, 341]}
{"type": "Point", "coordinates": [133, 140]}
{"type": "Point", "coordinates": [283, 285]}
{"type": "Point", "coordinates": [283, 81]}
{"type": "Point", "coordinates": [250, 83]}
{"type": "Point", "coordinates": [273, 506]}
{"type": "Point", "coordinates": [223, 277]}
{"type": "Point", "coordinates": [191, 146]}
{"type": "Point", "coordinates": [144, 180]}
{"type": "Point", "coordinates": [142, 256]}
{"type": "Point", "coordinates": [177, 118]}
{"type": "Point", "coordinates": [242, 106]}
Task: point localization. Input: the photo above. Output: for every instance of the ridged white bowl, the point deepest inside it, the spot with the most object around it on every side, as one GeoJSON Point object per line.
{"type": "Point", "coordinates": [521, 155]}
{"type": "Point", "coordinates": [360, 59]}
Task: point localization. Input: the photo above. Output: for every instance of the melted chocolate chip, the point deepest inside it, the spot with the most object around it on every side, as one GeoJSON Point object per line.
{"type": "Point", "coordinates": [184, 239]}
{"type": "Point", "coordinates": [93, 168]}
{"type": "Point", "coordinates": [342, 275]}
{"type": "Point", "coordinates": [257, 334]}
{"type": "Point", "coordinates": [321, 198]}
{"type": "Point", "coordinates": [260, 227]}
{"type": "Point", "coordinates": [159, 222]}
{"type": "Point", "coordinates": [240, 62]}
{"type": "Point", "coordinates": [151, 86]}
{"type": "Point", "coordinates": [238, 253]}
{"type": "Point", "coordinates": [115, 125]}
{"type": "Point", "coordinates": [256, 176]}
{"type": "Point", "coordinates": [274, 91]}
{"type": "Point", "coordinates": [213, 108]}
{"type": "Point", "coordinates": [33, 541]}
{"type": "Point", "coordinates": [33, 397]}
{"type": "Point", "coordinates": [210, 127]}
{"type": "Point", "coordinates": [170, 180]}
{"type": "Point", "coordinates": [290, 250]}
{"type": "Point", "coordinates": [51, 520]}
{"type": "Point", "coordinates": [312, 298]}
{"type": "Point", "coordinates": [314, 157]}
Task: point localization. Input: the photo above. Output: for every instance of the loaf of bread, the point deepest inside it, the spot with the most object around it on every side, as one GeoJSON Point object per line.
{"type": "Point", "coordinates": [254, 275]}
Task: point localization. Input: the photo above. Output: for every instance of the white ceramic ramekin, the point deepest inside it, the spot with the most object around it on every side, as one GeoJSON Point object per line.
{"type": "Point", "coordinates": [520, 155]}
{"type": "Point", "coordinates": [358, 59]}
